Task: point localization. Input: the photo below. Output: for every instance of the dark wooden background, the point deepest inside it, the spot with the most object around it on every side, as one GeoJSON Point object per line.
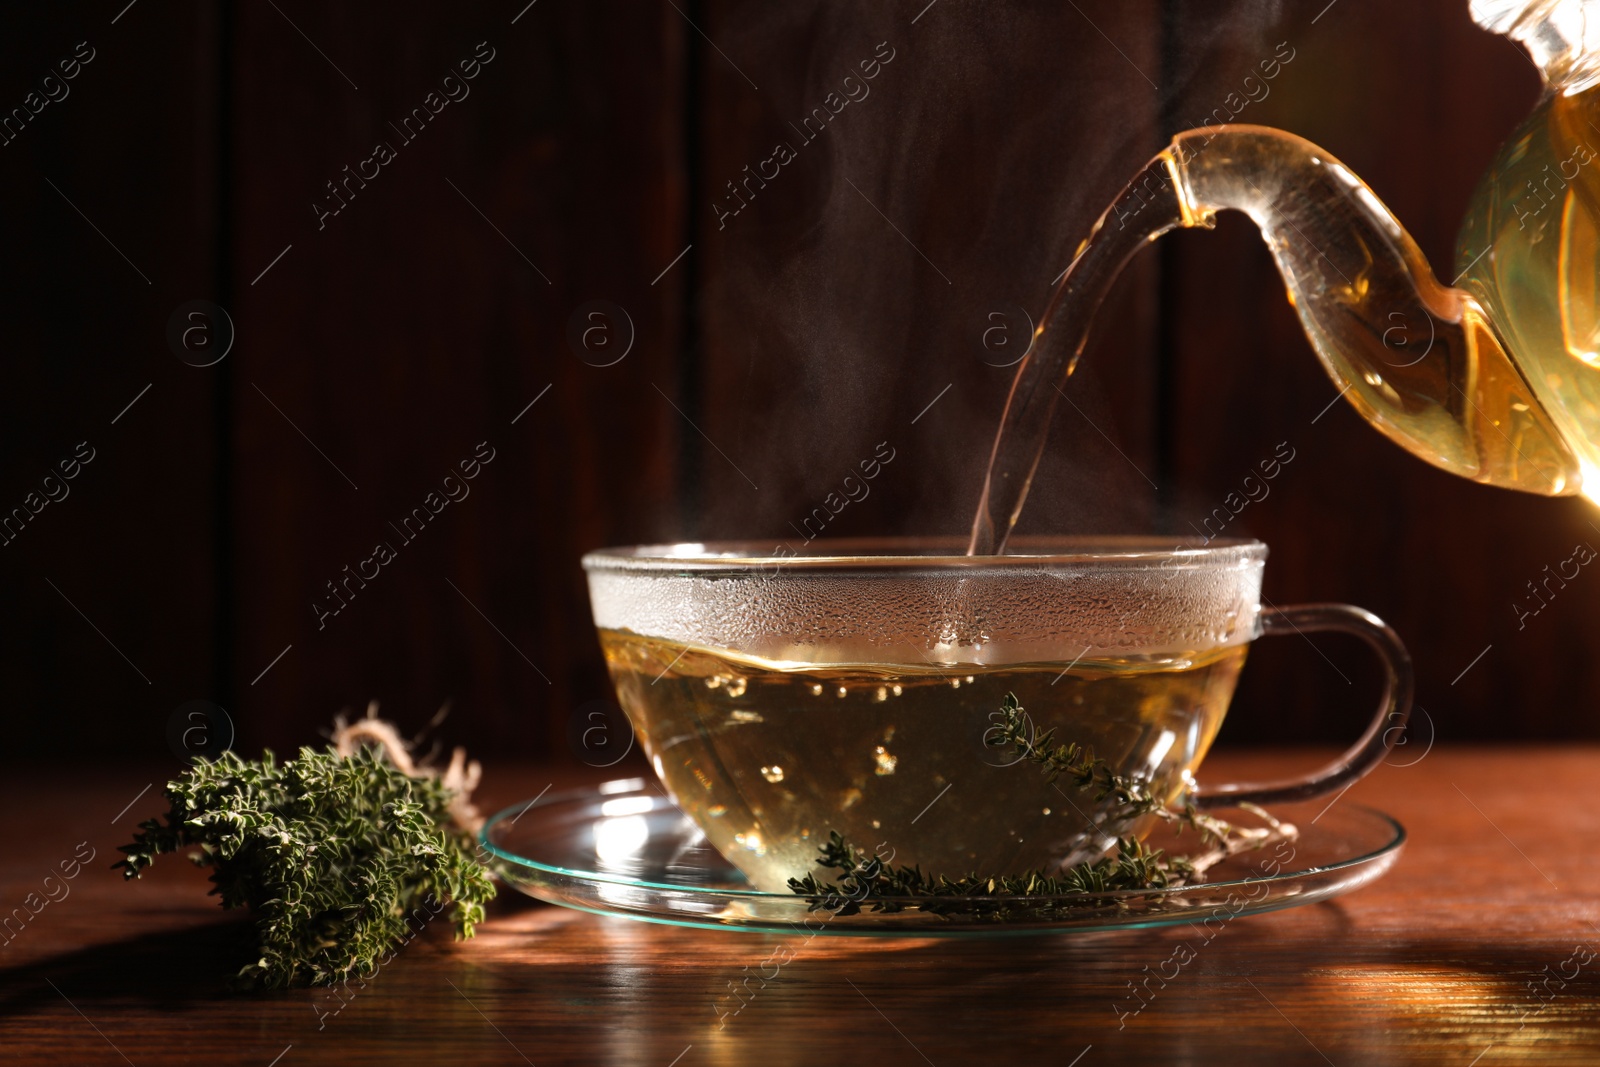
{"type": "Point", "coordinates": [789, 341]}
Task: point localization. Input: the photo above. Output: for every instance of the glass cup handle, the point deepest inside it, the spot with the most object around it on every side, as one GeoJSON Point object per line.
{"type": "Point", "coordinates": [1394, 709]}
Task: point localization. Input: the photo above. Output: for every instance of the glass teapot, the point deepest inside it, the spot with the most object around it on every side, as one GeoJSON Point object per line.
{"type": "Point", "coordinates": [1495, 377]}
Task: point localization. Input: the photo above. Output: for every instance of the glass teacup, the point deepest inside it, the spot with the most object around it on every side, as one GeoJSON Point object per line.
{"type": "Point", "coordinates": [859, 689]}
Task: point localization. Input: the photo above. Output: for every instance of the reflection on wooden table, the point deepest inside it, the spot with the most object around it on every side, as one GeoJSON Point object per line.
{"type": "Point", "coordinates": [1481, 942]}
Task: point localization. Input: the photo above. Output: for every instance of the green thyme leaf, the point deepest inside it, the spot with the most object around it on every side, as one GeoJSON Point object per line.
{"type": "Point", "coordinates": [1070, 761]}
{"type": "Point", "coordinates": [333, 854]}
{"type": "Point", "coordinates": [868, 882]}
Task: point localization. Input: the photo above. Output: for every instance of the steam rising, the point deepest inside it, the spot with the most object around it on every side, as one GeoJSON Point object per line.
{"type": "Point", "coordinates": [852, 282]}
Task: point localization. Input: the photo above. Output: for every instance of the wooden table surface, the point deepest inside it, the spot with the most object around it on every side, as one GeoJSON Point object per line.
{"type": "Point", "coordinates": [1482, 946]}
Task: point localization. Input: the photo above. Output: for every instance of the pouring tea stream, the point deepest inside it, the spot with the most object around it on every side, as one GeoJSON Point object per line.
{"type": "Point", "coordinates": [1494, 377]}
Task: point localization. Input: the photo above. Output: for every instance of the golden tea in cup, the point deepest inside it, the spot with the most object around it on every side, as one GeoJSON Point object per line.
{"type": "Point", "coordinates": [857, 689]}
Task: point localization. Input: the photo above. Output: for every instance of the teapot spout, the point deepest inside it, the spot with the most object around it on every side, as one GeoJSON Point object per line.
{"type": "Point", "coordinates": [1420, 360]}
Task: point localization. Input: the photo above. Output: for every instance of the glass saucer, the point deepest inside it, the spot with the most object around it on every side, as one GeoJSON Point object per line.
{"type": "Point", "coordinates": [621, 848]}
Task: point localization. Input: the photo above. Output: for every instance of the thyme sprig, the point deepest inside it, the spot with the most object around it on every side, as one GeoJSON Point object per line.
{"type": "Point", "coordinates": [1133, 865]}
{"type": "Point", "coordinates": [1134, 799]}
{"type": "Point", "coordinates": [868, 880]}
{"type": "Point", "coordinates": [1071, 761]}
{"type": "Point", "coordinates": [336, 854]}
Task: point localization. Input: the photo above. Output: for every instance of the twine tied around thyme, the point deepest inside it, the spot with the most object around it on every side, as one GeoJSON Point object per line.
{"type": "Point", "coordinates": [460, 776]}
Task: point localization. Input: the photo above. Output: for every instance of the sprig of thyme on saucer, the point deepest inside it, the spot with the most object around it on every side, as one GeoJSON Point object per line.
{"type": "Point", "coordinates": [867, 880]}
